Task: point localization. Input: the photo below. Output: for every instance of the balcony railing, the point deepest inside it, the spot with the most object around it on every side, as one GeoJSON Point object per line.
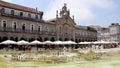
{"type": "Point", "coordinates": [84, 36]}
{"type": "Point", "coordinates": [20, 17]}
{"type": "Point", "coordinates": [18, 30]}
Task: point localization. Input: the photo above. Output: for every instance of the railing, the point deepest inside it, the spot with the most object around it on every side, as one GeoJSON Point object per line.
{"type": "Point", "coordinates": [20, 17]}
{"type": "Point", "coordinates": [84, 36]}
{"type": "Point", "coordinates": [18, 30]}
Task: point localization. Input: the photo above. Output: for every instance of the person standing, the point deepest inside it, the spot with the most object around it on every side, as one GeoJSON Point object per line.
{"type": "Point", "coordinates": [29, 49]}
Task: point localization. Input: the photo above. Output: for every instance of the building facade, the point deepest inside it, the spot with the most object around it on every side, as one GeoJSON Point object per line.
{"type": "Point", "coordinates": [111, 33]}
{"type": "Point", "coordinates": [23, 23]}
{"type": "Point", "coordinates": [105, 34]}
{"type": "Point", "coordinates": [115, 32]}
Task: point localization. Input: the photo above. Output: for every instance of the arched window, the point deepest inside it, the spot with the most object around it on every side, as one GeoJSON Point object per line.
{"type": "Point", "coordinates": [4, 24]}
{"type": "Point", "coordinates": [23, 27]}
{"type": "Point", "coordinates": [14, 25]}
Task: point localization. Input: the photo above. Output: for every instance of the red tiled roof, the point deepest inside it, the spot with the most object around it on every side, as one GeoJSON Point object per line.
{"type": "Point", "coordinates": [52, 20]}
{"type": "Point", "coordinates": [114, 24]}
{"type": "Point", "coordinates": [18, 7]}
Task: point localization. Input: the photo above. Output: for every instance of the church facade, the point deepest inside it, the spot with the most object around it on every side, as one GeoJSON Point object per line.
{"type": "Point", "coordinates": [23, 23]}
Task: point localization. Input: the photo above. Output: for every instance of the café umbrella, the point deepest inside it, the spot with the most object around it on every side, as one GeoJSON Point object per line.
{"type": "Point", "coordinates": [48, 42]}
{"type": "Point", "coordinates": [23, 42]}
{"type": "Point", "coordinates": [58, 42]}
{"type": "Point", "coordinates": [35, 42]}
{"type": "Point", "coordinates": [8, 42]}
{"type": "Point", "coordinates": [101, 42]}
{"type": "Point", "coordinates": [85, 42]}
{"type": "Point", "coordinates": [69, 42]}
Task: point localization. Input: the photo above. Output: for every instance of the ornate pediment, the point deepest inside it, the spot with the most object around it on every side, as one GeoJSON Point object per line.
{"type": "Point", "coordinates": [64, 17]}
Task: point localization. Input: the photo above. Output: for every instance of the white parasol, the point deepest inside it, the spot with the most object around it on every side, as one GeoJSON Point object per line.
{"type": "Point", "coordinates": [85, 43]}
{"type": "Point", "coordinates": [8, 42]}
{"type": "Point", "coordinates": [23, 42]}
{"type": "Point", "coordinates": [69, 42]}
{"type": "Point", "coordinates": [47, 42]}
{"type": "Point", "coordinates": [35, 42]}
{"type": "Point", "coordinates": [58, 42]}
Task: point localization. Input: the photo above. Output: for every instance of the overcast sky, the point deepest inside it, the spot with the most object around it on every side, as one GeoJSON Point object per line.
{"type": "Point", "coordinates": [86, 12]}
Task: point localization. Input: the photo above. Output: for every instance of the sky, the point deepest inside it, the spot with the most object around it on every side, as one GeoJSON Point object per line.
{"type": "Point", "coordinates": [86, 12]}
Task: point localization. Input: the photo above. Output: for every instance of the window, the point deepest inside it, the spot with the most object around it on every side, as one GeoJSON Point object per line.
{"type": "Point", "coordinates": [66, 30]}
{"type": "Point", "coordinates": [60, 30]}
{"type": "Point", "coordinates": [23, 27]}
{"type": "Point", "coordinates": [52, 30]}
{"type": "Point", "coordinates": [14, 26]}
{"type": "Point", "coordinates": [29, 15]}
{"type": "Point", "coordinates": [39, 29]}
{"type": "Point", "coordinates": [4, 25]}
{"type": "Point", "coordinates": [46, 29]}
{"type": "Point", "coordinates": [32, 28]}
{"type": "Point", "coordinates": [12, 12]}
{"type": "Point", "coordinates": [21, 13]}
{"type": "Point", "coordinates": [3, 10]}
{"type": "Point", "coordinates": [36, 16]}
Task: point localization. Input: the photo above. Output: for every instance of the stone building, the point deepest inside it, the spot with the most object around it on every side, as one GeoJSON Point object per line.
{"type": "Point", "coordinates": [23, 23]}
{"type": "Point", "coordinates": [111, 33]}
{"type": "Point", "coordinates": [115, 32]}
{"type": "Point", "coordinates": [105, 34]}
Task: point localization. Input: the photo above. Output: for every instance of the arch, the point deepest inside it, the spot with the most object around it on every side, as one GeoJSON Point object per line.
{"type": "Point", "coordinates": [4, 38]}
{"type": "Point", "coordinates": [12, 38]}
{"type": "Point", "coordinates": [66, 39]}
{"type": "Point", "coordinates": [16, 39]}
{"type": "Point", "coordinates": [52, 39]}
{"type": "Point", "coordinates": [22, 38]}
{"type": "Point", "coordinates": [76, 40]}
{"type": "Point", "coordinates": [45, 39]}
{"type": "Point", "coordinates": [31, 39]}
{"type": "Point", "coordinates": [72, 39]}
{"type": "Point", "coordinates": [40, 39]}
{"type": "Point", "coordinates": [80, 40]}
{"type": "Point", "coordinates": [83, 40]}
{"type": "Point", "coordinates": [60, 39]}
